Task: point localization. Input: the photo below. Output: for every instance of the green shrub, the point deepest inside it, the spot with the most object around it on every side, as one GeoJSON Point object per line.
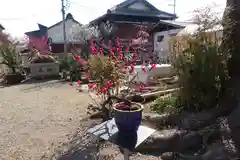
{"type": "Point", "coordinates": [201, 63]}
{"type": "Point", "coordinates": [201, 69]}
{"type": "Point", "coordinates": [70, 66]}
{"type": "Point", "coordinates": [64, 65]}
{"type": "Point", "coordinates": [9, 57]}
{"type": "Point", "coordinates": [166, 104]}
{"type": "Point", "coordinates": [103, 68]}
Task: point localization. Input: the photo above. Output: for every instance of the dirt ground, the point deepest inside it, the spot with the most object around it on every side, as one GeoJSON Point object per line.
{"type": "Point", "coordinates": [43, 121]}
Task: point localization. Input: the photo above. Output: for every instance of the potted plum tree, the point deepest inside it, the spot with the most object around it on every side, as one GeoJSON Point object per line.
{"type": "Point", "coordinates": [108, 75]}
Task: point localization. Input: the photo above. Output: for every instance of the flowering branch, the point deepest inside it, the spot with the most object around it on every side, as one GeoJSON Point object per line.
{"type": "Point", "coordinates": [108, 71]}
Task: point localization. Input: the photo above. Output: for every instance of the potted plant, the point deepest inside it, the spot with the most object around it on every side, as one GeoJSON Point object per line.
{"type": "Point", "coordinates": [127, 115]}
{"type": "Point", "coordinates": [108, 75]}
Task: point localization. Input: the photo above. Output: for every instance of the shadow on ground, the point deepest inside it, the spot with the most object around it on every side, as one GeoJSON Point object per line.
{"type": "Point", "coordinates": [84, 146]}
{"type": "Point", "coordinates": [35, 85]}
{"type": "Point", "coordinates": [79, 146]}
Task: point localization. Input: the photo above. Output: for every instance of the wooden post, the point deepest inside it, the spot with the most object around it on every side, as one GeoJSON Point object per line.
{"type": "Point", "coordinates": [126, 154]}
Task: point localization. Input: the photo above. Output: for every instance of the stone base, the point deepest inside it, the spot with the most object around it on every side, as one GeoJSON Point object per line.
{"type": "Point", "coordinates": [38, 70]}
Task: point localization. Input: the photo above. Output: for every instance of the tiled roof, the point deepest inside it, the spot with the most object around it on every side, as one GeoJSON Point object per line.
{"type": "Point", "coordinates": [125, 9]}
{"type": "Point", "coordinates": [122, 9]}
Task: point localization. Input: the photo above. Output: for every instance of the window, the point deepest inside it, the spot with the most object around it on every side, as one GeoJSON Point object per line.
{"type": "Point", "coordinates": [160, 38]}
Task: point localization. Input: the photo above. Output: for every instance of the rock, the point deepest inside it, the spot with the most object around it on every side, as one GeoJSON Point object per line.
{"type": "Point", "coordinates": [174, 140]}
{"type": "Point", "coordinates": [168, 156]}
{"type": "Point", "coordinates": [213, 154]}
{"type": "Point", "coordinates": [216, 154]}
{"type": "Point", "coordinates": [160, 120]}
{"type": "Point", "coordinates": [234, 125]}
{"type": "Point", "coordinates": [185, 121]}
{"type": "Point", "coordinates": [192, 140]}
{"type": "Point", "coordinates": [190, 120]}
{"type": "Point", "coordinates": [162, 141]}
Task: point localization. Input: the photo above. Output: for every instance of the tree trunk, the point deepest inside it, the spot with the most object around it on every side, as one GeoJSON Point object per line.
{"type": "Point", "coordinates": [231, 47]}
{"type": "Point", "coordinates": [231, 37]}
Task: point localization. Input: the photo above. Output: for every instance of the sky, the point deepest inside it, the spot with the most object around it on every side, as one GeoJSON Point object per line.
{"type": "Point", "coordinates": [19, 16]}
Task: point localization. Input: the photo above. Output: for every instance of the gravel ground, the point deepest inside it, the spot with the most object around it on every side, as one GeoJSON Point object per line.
{"type": "Point", "coordinates": [43, 121]}
{"type": "Point", "coordinates": [32, 116]}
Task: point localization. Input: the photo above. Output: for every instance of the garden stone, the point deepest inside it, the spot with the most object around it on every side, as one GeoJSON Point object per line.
{"type": "Point", "coordinates": [185, 121]}
{"type": "Point", "coordinates": [191, 120]}
{"type": "Point", "coordinates": [213, 154]}
{"type": "Point", "coordinates": [168, 156]}
{"type": "Point", "coordinates": [160, 120]}
{"type": "Point", "coordinates": [218, 153]}
{"type": "Point", "coordinates": [192, 141]}
{"type": "Point", "coordinates": [173, 140]}
{"type": "Point", "coordinates": [162, 141]}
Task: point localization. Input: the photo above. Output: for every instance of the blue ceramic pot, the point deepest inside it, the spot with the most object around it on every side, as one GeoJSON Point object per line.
{"type": "Point", "coordinates": [128, 121]}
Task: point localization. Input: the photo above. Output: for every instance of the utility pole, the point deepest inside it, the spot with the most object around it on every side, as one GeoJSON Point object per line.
{"type": "Point", "coordinates": [174, 6]}
{"type": "Point", "coordinates": [64, 27]}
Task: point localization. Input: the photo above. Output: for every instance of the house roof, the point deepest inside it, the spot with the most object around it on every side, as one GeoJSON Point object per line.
{"type": "Point", "coordinates": [40, 26]}
{"type": "Point", "coordinates": [38, 33]}
{"type": "Point", "coordinates": [170, 23]}
{"type": "Point", "coordinates": [175, 23]}
{"type": "Point", "coordinates": [144, 9]}
{"type": "Point", "coordinates": [1, 27]}
{"type": "Point", "coordinates": [123, 8]}
{"type": "Point", "coordinates": [43, 29]}
{"type": "Point", "coordinates": [69, 16]}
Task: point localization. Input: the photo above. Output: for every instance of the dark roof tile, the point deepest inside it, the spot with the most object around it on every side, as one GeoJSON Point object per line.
{"type": "Point", "coordinates": [122, 9]}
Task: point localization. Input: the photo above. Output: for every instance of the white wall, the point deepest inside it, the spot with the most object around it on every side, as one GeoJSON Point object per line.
{"type": "Point", "coordinates": [162, 48]}
{"type": "Point", "coordinates": [56, 32]}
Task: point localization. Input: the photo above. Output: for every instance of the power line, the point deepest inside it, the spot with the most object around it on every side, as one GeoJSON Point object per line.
{"type": "Point", "coordinates": [83, 6]}
{"type": "Point", "coordinates": [29, 15]}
